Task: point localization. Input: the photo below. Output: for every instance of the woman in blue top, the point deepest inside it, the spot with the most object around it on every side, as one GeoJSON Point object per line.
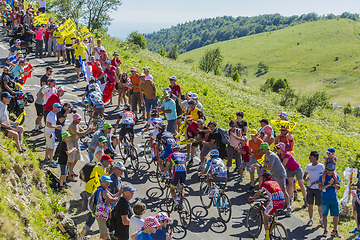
{"type": "Point", "coordinates": [19, 69]}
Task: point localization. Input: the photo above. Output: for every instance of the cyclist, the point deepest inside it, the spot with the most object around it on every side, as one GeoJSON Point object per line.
{"type": "Point", "coordinates": [217, 172]}
{"type": "Point", "coordinates": [127, 123]}
{"type": "Point", "coordinates": [165, 139]}
{"type": "Point", "coordinates": [275, 195]}
{"type": "Point", "coordinates": [154, 120]}
{"type": "Point", "coordinates": [96, 99]}
{"type": "Point", "coordinates": [177, 160]}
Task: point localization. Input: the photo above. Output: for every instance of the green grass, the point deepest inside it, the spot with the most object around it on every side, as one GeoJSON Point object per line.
{"type": "Point", "coordinates": [319, 42]}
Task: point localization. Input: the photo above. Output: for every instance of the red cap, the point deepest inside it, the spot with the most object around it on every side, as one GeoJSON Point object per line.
{"type": "Point", "coordinates": [107, 157]}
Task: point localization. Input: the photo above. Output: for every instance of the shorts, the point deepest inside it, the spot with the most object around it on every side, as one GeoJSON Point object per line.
{"type": "Point", "coordinates": [273, 206]}
{"type": "Point", "coordinates": [178, 177]}
{"type": "Point", "coordinates": [127, 128]}
{"type": "Point", "coordinates": [98, 112]}
{"type": "Point", "coordinates": [281, 182]}
{"type": "Point", "coordinates": [8, 23]}
{"type": "Point", "coordinates": [206, 149]}
{"type": "Point", "coordinates": [102, 226]}
{"type": "Point", "coordinates": [50, 140]}
{"type": "Point", "coordinates": [244, 165]}
{"type": "Point", "coordinates": [74, 156]}
{"type": "Point", "coordinates": [258, 171]}
{"type": "Point", "coordinates": [4, 130]}
{"type": "Point", "coordinates": [312, 194]}
{"type": "Point", "coordinates": [298, 173]}
{"type": "Point", "coordinates": [154, 133]}
{"type": "Point", "coordinates": [221, 180]}
{"type": "Point", "coordinates": [64, 169]}
{"type": "Point", "coordinates": [196, 144]}
{"type": "Point", "coordinates": [135, 100]}
{"type": "Point", "coordinates": [330, 204]}
{"type": "Point", "coordinates": [166, 152]}
{"type": "Point", "coordinates": [150, 104]}
{"type": "Point", "coordinates": [39, 109]}
{"type": "Point", "coordinates": [77, 63]}
{"type": "Point", "coordinates": [171, 126]}
{"type": "Point", "coordinates": [60, 47]}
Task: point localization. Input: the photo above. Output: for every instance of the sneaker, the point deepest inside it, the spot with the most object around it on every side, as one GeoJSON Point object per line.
{"type": "Point", "coordinates": [322, 223]}
{"type": "Point", "coordinates": [201, 168]}
{"type": "Point", "coordinates": [47, 160]}
{"type": "Point", "coordinates": [211, 194]}
{"type": "Point", "coordinates": [334, 233]}
{"type": "Point", "coordinates": [74, 174]}
{"type": "Point", "coordinates": [68, 63]}
{"type": "Point", "coordinates": [53, 164]}
{"type": "Point", "coordinates": [238, 179]}
{"type": "Point", "coordinates": [191, 162]}
{"type": "Point", "coordinates": [72, 179]}
{"type": "Point", "coordinates": [324, 234]}
{"type": "Point", "coordinates": [310, 223]}
{"type": "Point", "coordinates": [251, 189]}
{"type": "Point", "coordinates": [354, 231]}
{"type": "Point", "coordinates": [358, 237]}
{"type": "Point", "coordinates": [288, 212]}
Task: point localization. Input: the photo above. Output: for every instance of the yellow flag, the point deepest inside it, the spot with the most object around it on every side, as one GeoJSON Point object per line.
{"type": "Point", "coordinates": [67, 28]}
{"type": "Point", "coordinates": [182, 130]}
{"type": "Point", "coordinates": [84, 29]}
{"type": "Point", "coordinates": [96, 182]}
{"type": "Point", "coordinates": [20, 117]}
{"type": "Point", "coordinates": [41, 19]}
{"type": "Point", "coordinates": [183, 142]}
{"type": "Point", "coordinates": [261, 160]}
{"type": "Point", "coordinates": [286, 124]}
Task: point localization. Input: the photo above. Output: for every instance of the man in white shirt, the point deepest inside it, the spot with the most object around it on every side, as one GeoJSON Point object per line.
{"type": "Point", "coordinates": [42, 5]}
{"type": "Point", "coordinates": [50, 133]}
{"type": "Point", "coordinates": [147, 73]}
{"type": "Point", "coordinates": [312, 174]}
{"type": "Point", "coordinates": [50, 90]}
{"type": "Point", "coordinates": [97, 49]}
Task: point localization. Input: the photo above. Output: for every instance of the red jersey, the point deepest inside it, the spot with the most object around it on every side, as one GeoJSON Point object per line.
{"type": "Point", "coordinates": [273, 190]}
{"type": "Point", "coordinates": [54, 98]}
{"type": "Point", "coordinates": [246, 156]}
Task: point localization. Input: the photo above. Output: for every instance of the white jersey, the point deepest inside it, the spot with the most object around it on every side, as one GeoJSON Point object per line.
{"type": "Point", "coordinates": [127, 117]}
{"type": "Point", "coordinates": [154, 122]}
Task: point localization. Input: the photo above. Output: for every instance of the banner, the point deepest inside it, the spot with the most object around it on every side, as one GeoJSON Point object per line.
{"type": "Point", "coordinates": [20, 117]}
{"type": "Point", "coordinates": [41, 19]}
{"type": "Point", "coordinates": [27, 73]}
{"type": "Point", "coordinates": [84, 29]}
{"type": "Point", "coordinates": [182, 130]}
{"type": "Point", "coordinates": [85, 35]}
{"type": "Point", "coordinates": [67, 28]}
{"type": "Point", "coordinates": [288, 125]}
{"type": "Point", "coordinates": [183, 142]}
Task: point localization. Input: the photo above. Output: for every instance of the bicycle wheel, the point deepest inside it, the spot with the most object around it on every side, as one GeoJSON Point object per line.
{"type": "Point", "coordinates": [254, 221]}
{"type": "Point", "coordinates": [147, 152]}
{"type": "Point", "coordinates": [123, 150]}
{"type": "Point", "coordinates": [184, 210]}
{"type": "Point", "coordinates": [278, 232]}
{"type": "Point", "coordinates": [224, 208]}
{"type": "Point", "coordinates": [134, 158]}
{"type": "Point", "coordinates": [204, 192]}
{"type": "Point", "coordinates": [169, 202]}
{"type": "Point", "coordinates": [162, 185]}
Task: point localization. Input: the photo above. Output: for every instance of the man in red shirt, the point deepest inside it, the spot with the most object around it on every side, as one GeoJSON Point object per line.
{"type": "Point", "coordinates": [54, 98]}
{"type": "Point", "coordinates": [175, 87]}
{"type": "Point", "coordinates": [116, 60]}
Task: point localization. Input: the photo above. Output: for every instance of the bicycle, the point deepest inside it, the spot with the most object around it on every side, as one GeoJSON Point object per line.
{"type": "Point", "coordinates": [220, 200]}
{"type": "Point", "coordinates": [162, 184]}
{"type": "Point", "coordinates": [147, 152]}
{"type": "Point", "coordinates": [127, 150]}
{"type": "Point", "coordinates": [183, 207]}
{"type": "Point", "coordinates": [87, 113]}
{"type": "Point", "coordinates": [254, 222]}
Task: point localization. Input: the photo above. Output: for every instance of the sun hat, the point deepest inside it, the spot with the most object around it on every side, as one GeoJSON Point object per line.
{"type": "Point", "coordinates": [264, 120]}
{"type": "Point", "coordinates": [106, 157]}
{"type": "Point", "coordinates": [146, 68]}
{"type": "Point", "coordinates": [105, 178]}
{"type": "Point", "coordinates": [133, 69]}
{"type": "Point", "coordinates": [253, 132]}
{"type": "Point", "coordinates": [172, 78]}
{"type": "Point", "coordinates": [106, 126]}
{"type": "Point", "coordinates": [102, 139]}
{"type": "Point", "coordinates": [18, 51]}
{"type": "Point", "coordinates": [76, 116]}
{"type": "Point", "coordinates": [189, 93]}
{"type": "Point", "coordinates": [141, 75]}
{"type": "Point", "coordinates": [128, 188]}
{"type": "Point", "coordinates": [283, 114]}
{"type": "Point", "coordinates": [58, 105]}
{"type": "Point", "coordinates": [330, 166]}
{"type": "Point", "coordinates": [107, 62]}
{"type": "Point", "coordinates": [99, 39]}
{"type": "Point", "coordinates": [161, 216]}
{"type": "Point", "coordinates": [268, 129]}
{"type": "Point", "coordinates": [330, 150]}
{"type": "Point", "coordinates": [65, 135]}
{"type": "Point", "coordinates": [264, 145]}
{"type": "Point", "coordinates": [120, 166]}
{"type": "Point", "coordinates": [150, 222]}
{"type": "Point", "coordinates": [281, 146]}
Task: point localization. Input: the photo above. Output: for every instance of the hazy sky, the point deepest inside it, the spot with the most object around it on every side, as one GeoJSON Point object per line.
{"type": "Point", "coordinates": [147, 16]}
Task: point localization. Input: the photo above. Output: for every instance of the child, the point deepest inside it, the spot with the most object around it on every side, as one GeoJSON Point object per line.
{"type": "Point", "coordinates": [245, 151]}
{"type": "Point", "coordinates": [136, 223]}
{"type": "Point", "coordinates": [63, 157]}
{"type": "Point", "coordinates": [331, 158]}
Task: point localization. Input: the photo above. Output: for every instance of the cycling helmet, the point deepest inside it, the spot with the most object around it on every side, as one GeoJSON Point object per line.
{"type": "Point", "coordinates": [266, 176]}
{"type": "Point", "coordinates": [153, 112]}
{"type": "Point", "coordinates": [92, 87]}
{"type": "Point", "coordinates": [127, 107]}
{"type": "Point", "coordinates": [91, 79]}
{"type": "Point", "coordinates": [161, 126]}
{"type": "Point", "coordinates": [192, 101]}
{"type": "Point", "coordinates": [168, 89]}
{"type": "Point", "coordinates": [175, 145]}
{"type": "Point", "coordinates": [19, 25]}
{"type": "Point", "coordinates": [214, 153]}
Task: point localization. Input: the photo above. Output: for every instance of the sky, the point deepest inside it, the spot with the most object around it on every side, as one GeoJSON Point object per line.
{"type": "Point", "coordinates": [147, 16]}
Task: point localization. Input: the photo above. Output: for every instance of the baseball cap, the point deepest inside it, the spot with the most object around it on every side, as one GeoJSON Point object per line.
{"type": "Point", "coordinates": [107, 62]}
{"type": "Point", "coordinates": [105, 178]}
{"type": "Point", "coordinates": [281, 146]}
{"type": "Point", "coordinates": [150, 222]}
{"type": "Point", "coordinates": [115, 54]}
{"type": "Point", "coordinates": [283, 114]}
{"type": "Point", "coordinates": [244, 138]}
{"type": "Point", "coordinates": [65, 135]}
{"type": "Point", "coordinates": [330, 150]}
{"type": "Point", "coordinates": [166, 94]}
{"type": "Point", "coordinates": [61, 89]}
{"type": "Point", "coordinates": [5, 94]}
{"type": "Point", "coordinates": [264, 120]}
{"type": "Point", "coordinates": [189, 94]}
{"type": "Point", "coordinates": [58, 105]}
{"type": "Point", "coordinates": [189, 117]}
{"type": "Point", "coordinates": [129, 188]}
{"type": "Point", "coordinates": [253, 132]}
{"type": "Point", "coordinates": [76, 116]}
{"type": "Point", "coordinates": [102, 139]}
{"type": "Point", "coordinates": [330, 166]}
{"type": "Point", "coordinates": [106, 157]}
{"type": "Point", "coordinates": [314, 154]}
{"type": "Point", "coordinates": [120, 166]}
{"type": "Point", "coordinates": [268, 129]}
{"type": "Point", "coordinates": [106, 126]}
{"type": "Point", "coordinates": [168, 89]}
{"type": "Point", "coordinates": [18, 41]}
{"type": "Point", "coordinates": [172, 78]}
{"type": "Point", "coordinates": [146, 68]}
{"type": "Point", "coordinates": [194, 95]}
{"type": "Point", "coordinates": [264, 146]}
{"type": "Point", "coordinates": [161, 216]}
{"type": "Point", "coordinates": [133, 69]}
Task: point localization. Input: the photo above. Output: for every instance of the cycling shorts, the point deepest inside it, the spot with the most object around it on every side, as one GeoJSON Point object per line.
{"type": "Point", "coordinates": [127, 128]}
{"type": "Point", "coordinates": [154, 134]}
{"type": "Point", "coordinates": [166, 152]}
{"type": "Point", "coordinates": [178, 177]}
{"type": "Point", "coordinates": [273, 206]}
{"type": "Point", "coordinates": [221, 180]}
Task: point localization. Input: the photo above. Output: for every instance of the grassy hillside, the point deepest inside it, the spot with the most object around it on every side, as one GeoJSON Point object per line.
{"type": "Point", "coordinates": [293, 52]}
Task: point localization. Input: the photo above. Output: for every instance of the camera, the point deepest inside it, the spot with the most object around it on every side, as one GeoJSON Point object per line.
{"type": "Point", "coordinates": [72, 110]}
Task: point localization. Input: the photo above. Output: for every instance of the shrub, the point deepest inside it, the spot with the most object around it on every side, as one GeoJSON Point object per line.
{"type": "Point", "coordinates": [274, 85]}
{"type": "Point", "coordinates": [217, 71]}
{"type": "Point", "coordinates": [162, 51]}
{"type": "Point", "coordinates": [211, 60]}
{"type": "Point", "coordinates": [137, 39]}
{"type": "Point", "coordinates": [356, 111]}
{"type": "Point", "coordinates": [348, 109]}
{"type": "Point", "coordinates": [236, 76]}
{"type": "Point", "coordinates": [308, 103]}
{"type": "Point", "coordinates": [288, 97]}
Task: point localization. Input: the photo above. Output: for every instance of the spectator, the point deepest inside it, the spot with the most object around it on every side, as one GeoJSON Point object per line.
{"type": "Point", "coordinates": [60, 48]}
{"type": "Point", "coordinates": [147, 73]}
{"type": "Point", "coordinates": [216, 139]}
{"type": "Point", "coordinates": [264, 122]}
{"type": "Point", "coordinates": [39, 106]}
{"type": "Point", "coordinates": [329, 200]}
{"type": "Point", "coordinates": [268, 137]}
{"type": "Point", "coordinates": [80, 50]}
{"type": "Point", "coordinates": [136, 97]}
{"type": "Point", "coordinates": [148, 87]}
{"type": "Point", "coordinates": [245, 152]}
{"type": "Point", "coordinates": [63, 158]}
{"type": "Point", "coordinates": [118, 171]}
{"type": "Point", "coordinates": [16, 47]}
{"type": "Point", "coordinates": [98, 73]}
{"type": "Point", "coordinates": [169, 108]}
{"type": "Point", "coordinates": [52, 39]}
{"type": "Point", "coordinates": [39, 38]}
{"type": "Point", "coordinates": [287, 138]}
{"type": "Point", "coordinates": [356, 203]}
{"type": "Point", "coordinates": [283, 116]}
{"type": "Point", "coordinates": [50, 133]}
{"type": "Point", "coordinates": [5, 81]}
{"type": "Point", "coordinates": [191, 132]}
{"type": "Point", "coordinates": [9, 128]}
{"type": "Point", "coordinates": [175, 88]}
{"type": "Point", "coordinates": [185, 103]}
{"type": "Point", "coordinates": [13, 60]}
{"type": "Point", "coordinates": [194, 96]}
{"type": "Point", "coordinates": [89, 44]}
{"type": "Point", "coordinates": [136, 223]}
{"type": "Point", "coordinates": [116, 60]}
{"type": "Point", "coordinates": [104, 132]}
{"type": "Point", "coordinates": [114, 142]}
{"type": "Point", "coordinates": [123, 213]}
{"type": "Point", "coordinates": [160, 234]}
{"type": "Point", "coordinates": [61, 117]}
{"type": "Point", "coordinates": [54, 98]}
{"type": "Point", "coordinates": [194, 111]}
{"type": "Point", "coordinates": [255, 155]}
{"type": "Point", "coordinates": [100, 149]}
{"type": "Point", "coordinates": [273, 163]}
{"type": "Point", "coordinates": [42, 5]}
{"type": "Point", "coordinates": [234, 135]}
{"type": "Point", "coordinates": [18, 70]}
{"type": "Point", "coordinates": [46, 40]}
{"type": "Point", "coordinates": [240, 123]}
{"type": "Point", "coordinates": [44, 78]}
{"type": "Point", "coordinates": [122, 89]}
{"type": "Point", "coordinates": [311, 175]}
{"type": "Point", "coordinates": [50, 89]}
{"type": "Point", "coordinates": [150, 226]}
{"type": "Point", "coordinates": [97, 49]}
{"type": "Point", "coordinates": [208, 144]}
{"type": "Point", "coordinates": [69, 49]}
{"type": "Point", "coordinates": [202, 134]}
{"type": "Point", "coordinates": [103, 59]}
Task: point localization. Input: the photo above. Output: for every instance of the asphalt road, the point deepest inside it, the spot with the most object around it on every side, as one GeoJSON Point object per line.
{"type": "Point", "coordinates": [205, 223]}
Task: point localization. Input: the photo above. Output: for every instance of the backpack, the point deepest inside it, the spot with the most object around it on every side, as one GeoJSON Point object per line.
{"type": "Point", "coordinates": [111, 221]}
{"type": "Point", "coordinates": [85, 172]}
{"type": "Point", "coordinates": [92, 201]}
{"type": "Point", "coordinates": [224, 138]}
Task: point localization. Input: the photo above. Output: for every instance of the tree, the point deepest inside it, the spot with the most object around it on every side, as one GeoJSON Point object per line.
{"type": "Point", "coordinates": [162, 51]}
{"type": "Point", "coordinates": [217, 71]}
{"type": "Point", "coordinates": [211, 60]}
{"type": "Point", "coordinates": [348, 109]}
{"type": "Point", "coordinates": [310, 102]}
{"type": "Point", "coordinates": [173, 52]}
{"type": "Point", "coordinates": [137, 39]}
{"type": "Point", "coordinates": [67, 8]}
{"type": "Point", "coordinates": [263, 67]}
{"type": "Point", "coordinates": [236, 76]}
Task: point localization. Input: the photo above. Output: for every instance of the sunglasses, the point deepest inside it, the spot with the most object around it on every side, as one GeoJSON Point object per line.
{"type": "Point", "coordinates": [50, 71]}
{"type": "Point", "coordinates": [330, 170]}
{"type": "Point", "coordinates": [232, 126]}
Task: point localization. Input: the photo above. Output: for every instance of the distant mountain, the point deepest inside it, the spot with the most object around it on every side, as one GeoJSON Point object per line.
{"type": "Point", "coordinates": [199, 33]}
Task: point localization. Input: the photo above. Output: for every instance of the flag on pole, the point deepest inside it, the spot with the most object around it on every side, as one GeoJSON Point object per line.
{"type": "Point", "coordinates": [82, 66]}
{"type": "Point", "coordinates": [108, 90]}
